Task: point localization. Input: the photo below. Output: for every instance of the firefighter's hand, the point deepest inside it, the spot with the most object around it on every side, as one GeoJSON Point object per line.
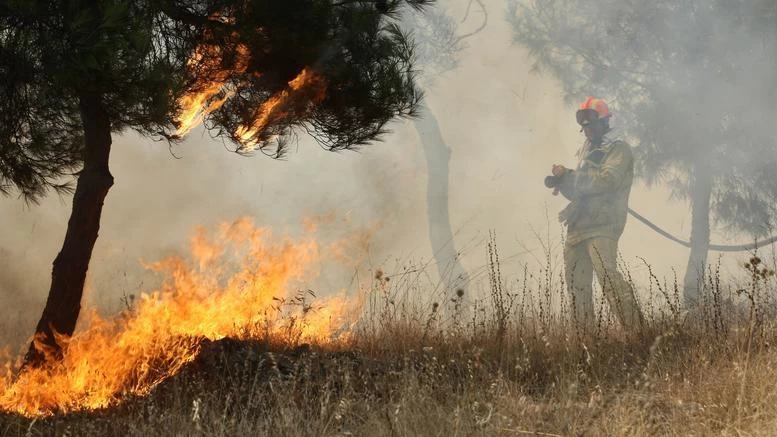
{"type": "Point", "coordinates": [559, 170]}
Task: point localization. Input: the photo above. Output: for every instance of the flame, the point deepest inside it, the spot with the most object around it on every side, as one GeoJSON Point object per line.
{"type": "Point", "coordinates": [216, 85]}
{"type": "Point", "coordinates": [208, 59]}
{"type": "Point", "coordinates": [307, 86]}
{"type": "Point", "coordinates": [232, 287]}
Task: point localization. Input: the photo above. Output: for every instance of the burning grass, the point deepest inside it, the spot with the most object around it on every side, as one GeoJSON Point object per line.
{"type": "Point", "coordinates": [512, 366]}
{"type": "Point", "coordinates": [239, 284]}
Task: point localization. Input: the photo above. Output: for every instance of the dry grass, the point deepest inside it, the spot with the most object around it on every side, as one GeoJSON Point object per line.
{"type": "Point", "coordinates": [515, 365]}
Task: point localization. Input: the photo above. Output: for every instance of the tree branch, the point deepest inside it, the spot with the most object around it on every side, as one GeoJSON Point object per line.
{"type": "Point", "coordinates": [482, 25]}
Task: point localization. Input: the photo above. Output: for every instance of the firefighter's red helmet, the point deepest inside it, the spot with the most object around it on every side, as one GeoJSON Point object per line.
{"type": "Point", "coordinates": [592, 109]}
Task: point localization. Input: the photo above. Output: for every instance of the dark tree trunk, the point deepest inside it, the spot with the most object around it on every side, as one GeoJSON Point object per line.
{"type": "Point", "coordinates": [438, 155]}
{"type": "Point", "coordinates": [701, 192]}
{"type": "Point", "coordinates": [69, 272]}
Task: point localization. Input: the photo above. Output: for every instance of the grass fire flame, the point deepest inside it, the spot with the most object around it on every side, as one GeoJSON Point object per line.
{"type": "Point", "coordinates": [239, 282]}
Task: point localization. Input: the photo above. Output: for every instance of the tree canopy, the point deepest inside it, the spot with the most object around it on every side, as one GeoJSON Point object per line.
{"type": "Point", "coordinates": [151, 61]}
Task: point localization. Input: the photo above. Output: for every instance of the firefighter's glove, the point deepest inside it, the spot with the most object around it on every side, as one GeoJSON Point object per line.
{"type": "Point", "coordinates": [570, 214]}
{"type": "Point", "coordinates": [559, 170]}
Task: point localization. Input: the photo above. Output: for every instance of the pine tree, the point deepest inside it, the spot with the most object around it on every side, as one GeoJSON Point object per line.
{"type": "Point", "coordinates": [75, 72]}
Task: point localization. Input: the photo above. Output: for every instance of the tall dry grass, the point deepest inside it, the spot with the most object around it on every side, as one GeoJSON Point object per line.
{"type": "Point", "coordinates": [513, 363]}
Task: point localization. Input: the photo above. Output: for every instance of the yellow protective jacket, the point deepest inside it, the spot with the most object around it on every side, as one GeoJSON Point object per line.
{"type": "Point", "coordinates": [598, 190]}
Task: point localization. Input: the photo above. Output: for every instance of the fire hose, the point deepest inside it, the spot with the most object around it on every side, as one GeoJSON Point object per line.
{"type": "Point", "coordinates": [552, 182]}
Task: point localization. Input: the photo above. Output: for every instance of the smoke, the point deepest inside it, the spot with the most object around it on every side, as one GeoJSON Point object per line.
{"type": "Point", "coordinates": [505, 125]}
{"type": "Point", "coordinates": [695, 81]}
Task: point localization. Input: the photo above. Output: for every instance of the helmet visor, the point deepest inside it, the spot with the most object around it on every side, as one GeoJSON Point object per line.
{"type": "Point", "coordinates": [586, 116]}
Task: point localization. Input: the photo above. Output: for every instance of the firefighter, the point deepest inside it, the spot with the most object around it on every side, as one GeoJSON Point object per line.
{"type": "Point", "coordinates": [598, 191]}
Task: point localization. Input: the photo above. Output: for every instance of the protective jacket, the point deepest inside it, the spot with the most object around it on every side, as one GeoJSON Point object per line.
{"type": "Point", "coordinates": [598, 190]}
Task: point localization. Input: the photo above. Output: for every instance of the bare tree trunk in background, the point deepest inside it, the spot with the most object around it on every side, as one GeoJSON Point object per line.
{"type": "Point", "coordinates": [438, 155]}
{"type": "Point", "coordinates": [701, 192]}
{"type": "Point", "coordinates": [69, 272]}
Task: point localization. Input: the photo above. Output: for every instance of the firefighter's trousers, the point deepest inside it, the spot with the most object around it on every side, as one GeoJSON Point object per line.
{"type": "Point", "coordinates": [599, 255]}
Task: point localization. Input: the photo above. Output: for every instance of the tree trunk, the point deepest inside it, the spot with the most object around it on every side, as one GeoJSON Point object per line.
{"type": "Point", "coordinates": [69, 271]}
{"type": "Point", "coordinates": [701, 192]}
{"type": "Point", "coordinates": [438, 155]}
